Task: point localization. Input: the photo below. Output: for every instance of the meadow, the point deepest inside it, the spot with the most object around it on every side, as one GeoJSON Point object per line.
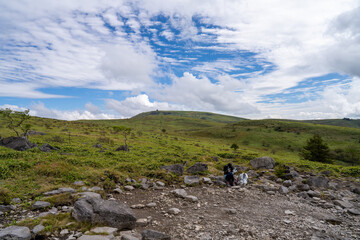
{"type": "Point", "coordinates": [156, 139]}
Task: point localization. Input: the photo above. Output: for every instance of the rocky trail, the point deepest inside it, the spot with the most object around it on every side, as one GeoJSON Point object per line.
{"type": "Point", "coordinates": [306, 207]}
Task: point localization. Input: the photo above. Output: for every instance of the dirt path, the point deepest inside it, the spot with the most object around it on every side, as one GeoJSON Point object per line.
{"type": "Point", "coordinates": [244, 213]}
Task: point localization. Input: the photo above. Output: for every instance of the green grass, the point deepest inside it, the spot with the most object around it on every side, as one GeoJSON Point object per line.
{"type": "Point", "coordinates": [188, 139]}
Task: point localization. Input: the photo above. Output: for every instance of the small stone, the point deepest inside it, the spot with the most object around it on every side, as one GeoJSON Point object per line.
{"type": "Point", "coordinates": [152, 204]}
{"type": "Point", "coordinates": [270, 192]}
{"type": "Point", "coordinates": [107, 230]}
{"type": "Point", "coordinates": [343, 204]}
{"type": "Point", "coordinates": [312, 193]}
{"type": "Point", "coordinates": [287, 183]}
{"type": "Point", "coordinates": [117, 190]}
{"type": "Point", "coordinates": [161, 184]}
{"type": "Point", "coordinates": [353, 211]}
{"type": "Point", "coordinates": [79, 183]}
{"type": "Point", "coordinates": [191, 198]}
{"type": "Point", "coordinates": [96, 188]}
{"type": "Point", "coordinates": [64, 232]}
{"type": "Point", "coordinates": [283, 190]}
{"type": "Point", "coordinates": [142, 222]}
{"type": "Point", "coordinates": [179, 193]}
{"type": "Point", "coordinates": [138, 206]}
{"type": "Point", "coordinates": [174, 211]}
{"type": "Point", "coordinates": [154, 235]}
{"type": "Point", "coordinates": [89, 194]}
{"type": "Point", "coordinates": [230, 210]}
{"type": "Point", "coordinates": [288, 212]}
{"type": "Point", "coordinates": [286, 221]}
{"type": "Point", "coordinates": [60, 190]}
{"type": "Point", "coordinates": [129, 188]}
{"type": "Point", "coordinates": [206, 180]}
{"type": "Point", "coordinates": [96, 237]}
{"type": "Point", "coordinates": [128, 237]}
{"type": "Point", "coordinates": [38, 228]}
{"type": "Point", "coordinates": [16, 200]}
{"type": "Point", "coordinates": [40, 205]}
{"type": "Point", "coordinates": [191, 180]}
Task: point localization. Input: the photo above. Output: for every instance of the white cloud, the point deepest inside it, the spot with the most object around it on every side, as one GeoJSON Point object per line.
{"type": "Point", "coordinates": [39, 109]}
{"type": "Point", "coordinates": [141, 103]}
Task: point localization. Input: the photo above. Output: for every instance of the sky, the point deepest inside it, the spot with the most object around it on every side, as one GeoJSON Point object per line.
{"type": "Point", "coordinates": [256, 59]}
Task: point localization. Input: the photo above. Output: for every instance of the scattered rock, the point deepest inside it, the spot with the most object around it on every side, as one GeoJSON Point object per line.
{"type": "Point", "coordinates": [287, 183]}
{"type": "Point", "coordinates": [206, 180]}
{"type": "Point", "coordinates": [312, 193]}
{"type": "Point", "coordinates": [177, 169]}
{"type": "Point", "coordinates": [33, 132]}
{"type": "Point", "coordinates": [117, 190]}
{"type": "Point", "coordinates": [142, 222]}
{"type": "Point", "coordinates": [6, 208]}
{"type": "Point", "coordinates": [230, 210]}
{"type": "Point", "coordinates": [288, 212]}
{"type": "Point", "coordinates": [90, 194]}
{"type": "Point", "coordinates": [356, 190]}
{"type": "Point", "coordinates": [263, 162]}
{"type": "Point", "coordinates": [333, 220]}
{"type": "Point", "coordinates": [17, 143]}
{"type": "Point", "coordinates": [60, 190]}
{"type": "Point", "coordinates": [16, 200]}
{"type": "Point", "coordinates": [138, 206]}
{"type": "Point", "coordinates": [97, 146]}
{"type": "Point", "coordinates": [303, 187]}
{"type": "Point", "coordinates": [215, 158]}
{"type": "Point", "coordinates": [191, 198]}
{"type": "Point", "coordinates": [197, 167]}
{"type": "Point", "coordinates": [152, 204]}
{"type": "Point", "coordinates": [123, 148]}
{"type": "Point", "coordinates": [291, 175]}
{"type": "Point", "coordinates": [252, 174]}
{"type": "Point", "coordinates": [107, 230]}
{"type": "Point", "coordinates": [96, 188]}
{"type": "Point", "coordinates": [319, 182]}
{"type": "Point", "coordinates": [129, 188]}
{"type": "Point", "coordinates": [40, 205]}
{"type": "Point", "coordinates": [112, 213]}
{"type": "Point", "coordinates": [38, 228]}
{"type": "Point", "coordinates": [174, 211]}
{"type": "Point", "coordinates": [179, 193]}
{"type": "Point", "coordinates": [191, 180]}
{"type": "Point", "coordinates": [47, 148]}
{"type": "Point", "coordinates": [128, 237]}
{"type": "Point", "coordinates": [64, 232]}
{"type": "Point", "coordinates": [353, 211]}
{"type": "Point", "coordinates": [154, 235]}
{"type": "Point", "coordinates": [79, 183]}
{"type": "Point", "coordinates": [96, 237]}
{"type": "Point", "coordinates": [15, 233]}
{"type": "Point", "coordinates": [283, 190]}
{"type": "Point", "coordinates": [161, 184]}
{"type": "Point", "coordinates": [343, 204]}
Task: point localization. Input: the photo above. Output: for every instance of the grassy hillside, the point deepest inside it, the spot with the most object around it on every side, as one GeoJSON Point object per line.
{"type": "Point", "coordinates": [345, 122]}
{"type": "Point", "coordinates": [190, 114]}
{"type": "Point", "coordinates": [156, 140]}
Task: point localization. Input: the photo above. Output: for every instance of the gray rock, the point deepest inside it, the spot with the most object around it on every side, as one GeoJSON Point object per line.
{"type": "Point", "coordinates": [263, 162]}
{"type": "Point", "coordinates": [252, 174]}
{"type": "Point", "coordinates": [17, 143]}
{"type": "Point", "coordinates": [152, 204]}
{"type": "Point", "coordinates": [303, 187]}
{"type": "Point", "coordinates": [33, 132]}
{"type": "Point", "coordinates": [95, 188]}
{"type": "Point", "coordinates": [123, 148]}
{"type": "Point", "coordinates": [97, 146]}
{"type": "Point", "coordinates": [343, 204]}
{"type": "Point", "coordinates": [179, 193]}
{"type": "Point", "coordinates": [191, 198]}
{"type": "Point", "coordinates": [60, 190]}
{"type": "Point", "coordinates": [174, 211]}
{"type": "Point", "coordinates": [96, 237]}
{"type": "Point", "coordinates": [356, 190]}
{"type": "Point", "coordinates": [303, 195]}
{"type": "Point", "coordinates": [107, 230]}
{"type": "Point", "coordinates": [333, 186]}
{"type": "Point", "coordinates": [16, 200]}
{"type": "Point", "coordinates": [229, 210]}
{"type": "Point", "coordinates": [283, 190]}
{"type": "Point", "coordinates": [191, 180]}
{"type": "Point", "coordinates": [142, 222]}
{"type": "Point", "coordinates": [312, 193]}
{"type": "Point", "coordinates": [291, 175]}
{"type": "Point", "coordinates": [38, 228]}
{"type": "Point", "coordinates": [89, 194]}
{"type": "Point", "coordinates": [215, 158]}
{"type": "Point", "coordinates": [197, 167]}
{"type": "Point", "coordinates": [129, 188]}
{"type": "Point", "coordinates": [64, 232]}
{"type": "Point", "coordinates": [40, 205]}
{"type": "Point", "coordinates": [177, 169]}
{"type": "Point", "coordinates": [128, 237]}
{"type": "Point", "coordinates": [287, 183]}
{"type": "Point", "coordinates": [154, 235]}
{"type": "Point", "coordinates": [319, 182]}
{"type": "Point", "coordinates": [111, 213]}
{"type": "Point", "coordinates": [47, 148]}
{"type": "Point", "coordinates": [117, 190]}
{"type": "Point", "coordinates": [6, 208]}
{"type": "Point", "coordinates": [161, 184]}
{"type": "Point", "coordinates": [15, 233]}
{"type": "Point", "coordinates": [353, 211]}
{"type": "Point", "coordinates": [79, 183]}
{"type": "Point", "coordinates": [292, 188]}
{"type": "Point", "coordinates": [206, 180]}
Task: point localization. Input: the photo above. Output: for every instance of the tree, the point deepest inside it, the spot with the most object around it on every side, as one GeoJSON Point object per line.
{"type": "Point", "coordinates": [125, 131]}
{"type": "Point", "coordinates": [15, 121]}
{"type": "Point", "coordinates": [316, 150]}
{"type": "Point", "coordinates": [234, 146]}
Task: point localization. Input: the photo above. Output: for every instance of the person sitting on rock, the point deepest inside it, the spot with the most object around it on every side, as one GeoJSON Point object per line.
{"type": "Point", "coordinates": [242, 180]}
{"type": "Point", "coordinates": [228, 174]}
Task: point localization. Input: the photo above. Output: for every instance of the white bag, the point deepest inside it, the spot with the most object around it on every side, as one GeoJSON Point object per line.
{"type": "Point", "coordinates": [243, 178]}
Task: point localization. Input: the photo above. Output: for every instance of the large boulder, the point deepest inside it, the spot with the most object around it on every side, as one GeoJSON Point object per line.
{"type": "Point", "coordinates": [197, 167]}
{"type": "Point", "coordinates": [263, 162]}
{"type": "Point", "coordinates": [177, 169]}
{"type": "Point", "coordinates": [15, 233]}
{"type": "Point", "coordinates": [106, 212]}
{"type": "Point", "coordinates": [318, 182]}
{"type": "Point", "coordinates": [17, 143]}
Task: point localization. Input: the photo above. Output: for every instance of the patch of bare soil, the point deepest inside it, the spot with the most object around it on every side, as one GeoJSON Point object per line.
{"type": "Point", "coordinates": [239, 213]}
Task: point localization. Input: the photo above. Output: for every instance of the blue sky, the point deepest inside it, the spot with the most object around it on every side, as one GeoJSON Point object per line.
{"type": "Point", "coordinates": [114, 59]}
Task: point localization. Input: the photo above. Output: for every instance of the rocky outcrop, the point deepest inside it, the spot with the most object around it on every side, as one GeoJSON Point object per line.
{"type": "Point", "coordinates": [47, 148]}
{"type": "Point", "coordinates": [177, 169]}
{"type": "Point", "coordinates": [60, 190]}
{"type": "Point", "coordinates": [15, 233]}
{"type": "Point", "coordinates": [17, 143]}
{"type": "Point", "coordinates": [197, 167]}
{"type": "Point", "coordinates": [318, 182]}
{"type": "Point", "coordinates": [111, 213]}
{"type": "Point", "coordinates": [263, 162]}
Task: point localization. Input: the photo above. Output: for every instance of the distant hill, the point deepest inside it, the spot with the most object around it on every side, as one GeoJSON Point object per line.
{"type": "Point", "coordinates": [345, 122]}
{"type": "Point", "coordinates": [192, 114]}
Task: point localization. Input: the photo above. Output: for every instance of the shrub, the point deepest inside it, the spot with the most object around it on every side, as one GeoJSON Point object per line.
{"type": "Point", "coordinates": [316, 150]}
